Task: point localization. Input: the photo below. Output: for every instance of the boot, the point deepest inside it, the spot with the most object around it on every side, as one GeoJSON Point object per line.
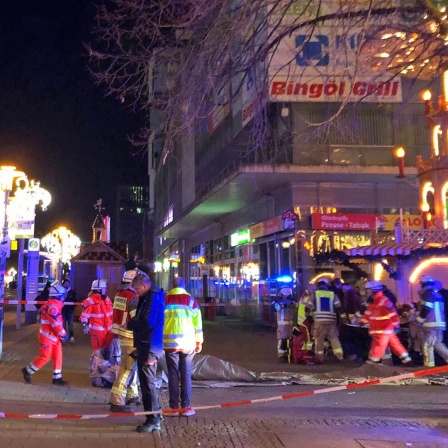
{"type": "Point", "coordinates": [149, 426]}
{"type": "Point", "coordinates": [120, 408]}
{"type": "Point", "coordinates": [59, 382]}
{"type": "Point", "coordinates": [26, 375]}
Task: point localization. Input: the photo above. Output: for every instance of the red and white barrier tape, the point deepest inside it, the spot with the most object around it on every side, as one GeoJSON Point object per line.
{"type": "Point", "coordinates": [168, 412]}
{"type": "Point", "coordinates": [40, 302]}
{"type": "Point", "coordinates": [34, 302]}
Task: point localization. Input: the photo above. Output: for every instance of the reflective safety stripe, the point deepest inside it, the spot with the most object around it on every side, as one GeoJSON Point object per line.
{"type": "Point", "coordinates": [125, 342]}
{"type": "Point", "coordinates": [96, 327]}
{"type": "Point", "coordinates": [388, 316]}
{"type": "Point", "coordinates": [48, 335]}
{"type": "Point", "coordinates": [117, 391]}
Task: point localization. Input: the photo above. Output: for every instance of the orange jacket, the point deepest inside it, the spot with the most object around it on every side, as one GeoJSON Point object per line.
{"type": "Point", "coordinates": [381, 315]}
{"type": "Point", "coordinates": [97, 313]}
{"type": "Point", "coordinates": [51, 323]}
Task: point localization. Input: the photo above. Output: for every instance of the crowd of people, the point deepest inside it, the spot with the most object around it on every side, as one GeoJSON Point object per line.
{"type": "Point", "coordinates": [147, 325]}
{"type": "Point", "coordinates": [335, 315]}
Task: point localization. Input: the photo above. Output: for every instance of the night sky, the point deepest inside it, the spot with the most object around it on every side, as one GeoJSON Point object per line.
{"type": "Point", "coordinates": [56, 125]}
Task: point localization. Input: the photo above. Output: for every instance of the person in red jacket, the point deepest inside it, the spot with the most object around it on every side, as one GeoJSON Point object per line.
{"type": "Point", "coordinates": [383, 320]}
{"type": "Point", "coordinates": [96, 317]}
{"type": "Point", "coordinates": [51, 333]}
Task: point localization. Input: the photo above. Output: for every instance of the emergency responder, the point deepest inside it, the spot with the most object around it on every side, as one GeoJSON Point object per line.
{"type": "Point", "coordinates": [182, 339]}
{"type": "Point", "coordinates": [96, 317]}
{"type": "Point", "coordinates": [285, 308]}
{"type": "Point", "coordinates": [124, 391]}
{"type": "Point", "coordinates": [51, 333]}
{"type": "Point", "coordinates": [147, 326]}
{"type": "Point", "coordinates": [432, 319]}
{"type": "Point", "coordinates": [383, 321]}
{"type": "Point", "coordinates": [304, 318]}
{"type": "Point", "coordinates": [326, 307]}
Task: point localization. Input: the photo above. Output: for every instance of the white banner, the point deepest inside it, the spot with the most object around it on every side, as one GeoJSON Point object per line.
{"type": "Point", "coordinates": [320, 63]}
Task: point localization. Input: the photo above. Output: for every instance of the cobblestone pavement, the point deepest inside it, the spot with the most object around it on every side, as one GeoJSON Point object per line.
{"type": "Point", "coordinates": [385, 416]}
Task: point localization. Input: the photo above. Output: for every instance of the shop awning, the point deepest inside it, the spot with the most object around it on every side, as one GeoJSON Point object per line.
{"type": "Point", "coordinates": [385, 249]}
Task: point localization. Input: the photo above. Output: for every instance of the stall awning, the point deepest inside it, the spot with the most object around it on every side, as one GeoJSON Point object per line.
{"type": "Point", "coordinates": [385, 249]}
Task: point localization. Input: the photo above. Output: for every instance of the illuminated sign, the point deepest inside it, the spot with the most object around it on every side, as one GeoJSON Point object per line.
{"type": "Point", "coordinates": [387, 222]}
{"type": "Point", "coordinates": [339, 221]}
{"type": "Point", "coordinates": [33, 245]}
{"type": "Point", "coordinates": [241, 237]}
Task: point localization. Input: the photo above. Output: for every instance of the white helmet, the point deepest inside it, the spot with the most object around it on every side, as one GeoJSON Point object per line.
{"type": "Point", "coordinates": [99, 285]}
{"type": "Point", "coordinates": [56, 291]}
{"type": "Point", "coordinates": [374, 285]}
{"type": "Point", "coordinates": [427, 280]}
{"type": "Point", "coordinates": [128, 276]}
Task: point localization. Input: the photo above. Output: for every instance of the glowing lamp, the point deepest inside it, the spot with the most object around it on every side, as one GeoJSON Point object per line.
{"type": "Point", "coordinates": [426, 95]}
{"type": "Point", "coordinates": [399, 154]}
{"type": "Point", "coordinates": [424, 207]}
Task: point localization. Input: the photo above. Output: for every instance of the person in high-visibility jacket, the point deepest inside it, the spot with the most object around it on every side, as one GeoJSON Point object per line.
{"type": "Point", "coordinates": [382, 319]}
{"type": "Point", "coordinates": [96, 317]}
{"type": "Point", "coordinates": [51, 333]}
{"type": "Point", "coordinates": [326, 306]}
{"type": "Point", "coordinates": [182, 339]}
{"type": "Point", "coordinates": [432, 320]}
{"type": "Point", "coordinates": [124, 391]}
{"type": "Point", "coordinates": [304, 318]}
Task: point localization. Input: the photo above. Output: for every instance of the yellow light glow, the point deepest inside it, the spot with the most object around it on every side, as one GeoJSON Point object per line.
{"type": "Point", "coordinates": [322, 275]}
{"type": "Point", "coordinates": [424, 207]}
{"type": "Point", "coordinates": [435, 138]}
{"type": "Point", "coordinates": [426, 95]}
{"type": "Point", "coordinates": [377, 271]}
{"type": "Point", "coordinates": [416, 274]}
{"type": "Point", "coordinates": [400, 152]}
{"type": "Point", "coordinates": [427, 188]}
{"type": "Point", "coordinates": [443, 193]}
{"type": "Point", "coordinates": [285, 244]}
{"type": "Point", "coordinates": [445, 85]}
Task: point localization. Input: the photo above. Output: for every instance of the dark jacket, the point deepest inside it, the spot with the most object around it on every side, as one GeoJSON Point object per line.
{"type": "Point", "coordinates": [147, 325]}
{"type": "Point", "coordinates": [71, 297]}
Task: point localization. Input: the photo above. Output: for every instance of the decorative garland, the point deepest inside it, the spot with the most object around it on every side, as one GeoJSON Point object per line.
{"type": "Point", "coordinates": [341, 258]}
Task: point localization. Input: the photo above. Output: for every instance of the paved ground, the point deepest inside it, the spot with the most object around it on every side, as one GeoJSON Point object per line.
{"type": "Point", "coordinates": [381, 416]}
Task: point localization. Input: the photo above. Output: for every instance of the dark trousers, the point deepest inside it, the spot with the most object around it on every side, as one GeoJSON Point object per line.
{"type": "Point", "coordinates": [179, 373]}
{"type": "Point", "coordinates": [68, 317]}
{"type": "Point", "coordinates": [147, 374]}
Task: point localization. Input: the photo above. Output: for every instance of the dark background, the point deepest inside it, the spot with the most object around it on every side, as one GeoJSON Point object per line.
{"type": "Point", "coordinates": [55, 124]}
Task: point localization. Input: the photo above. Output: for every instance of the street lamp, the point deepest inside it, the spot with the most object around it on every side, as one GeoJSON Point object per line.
{"type": "Point", "coordinates": [63, 245]}
{"type": "Point", "coordinates": [7, 176]}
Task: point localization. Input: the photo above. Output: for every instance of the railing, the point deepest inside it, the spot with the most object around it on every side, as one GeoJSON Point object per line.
{"type": "Point", "coordinates": [422, 236]}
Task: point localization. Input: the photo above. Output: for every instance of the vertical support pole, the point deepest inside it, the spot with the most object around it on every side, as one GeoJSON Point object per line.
{"type": "Point", "coordinates": [20, 282]}
{"type": "Point", "coordinates": [3, 269]}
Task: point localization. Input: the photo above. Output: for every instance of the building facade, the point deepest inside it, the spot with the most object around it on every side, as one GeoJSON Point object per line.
{"type": "Point", "coordinates": [240, 203]}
